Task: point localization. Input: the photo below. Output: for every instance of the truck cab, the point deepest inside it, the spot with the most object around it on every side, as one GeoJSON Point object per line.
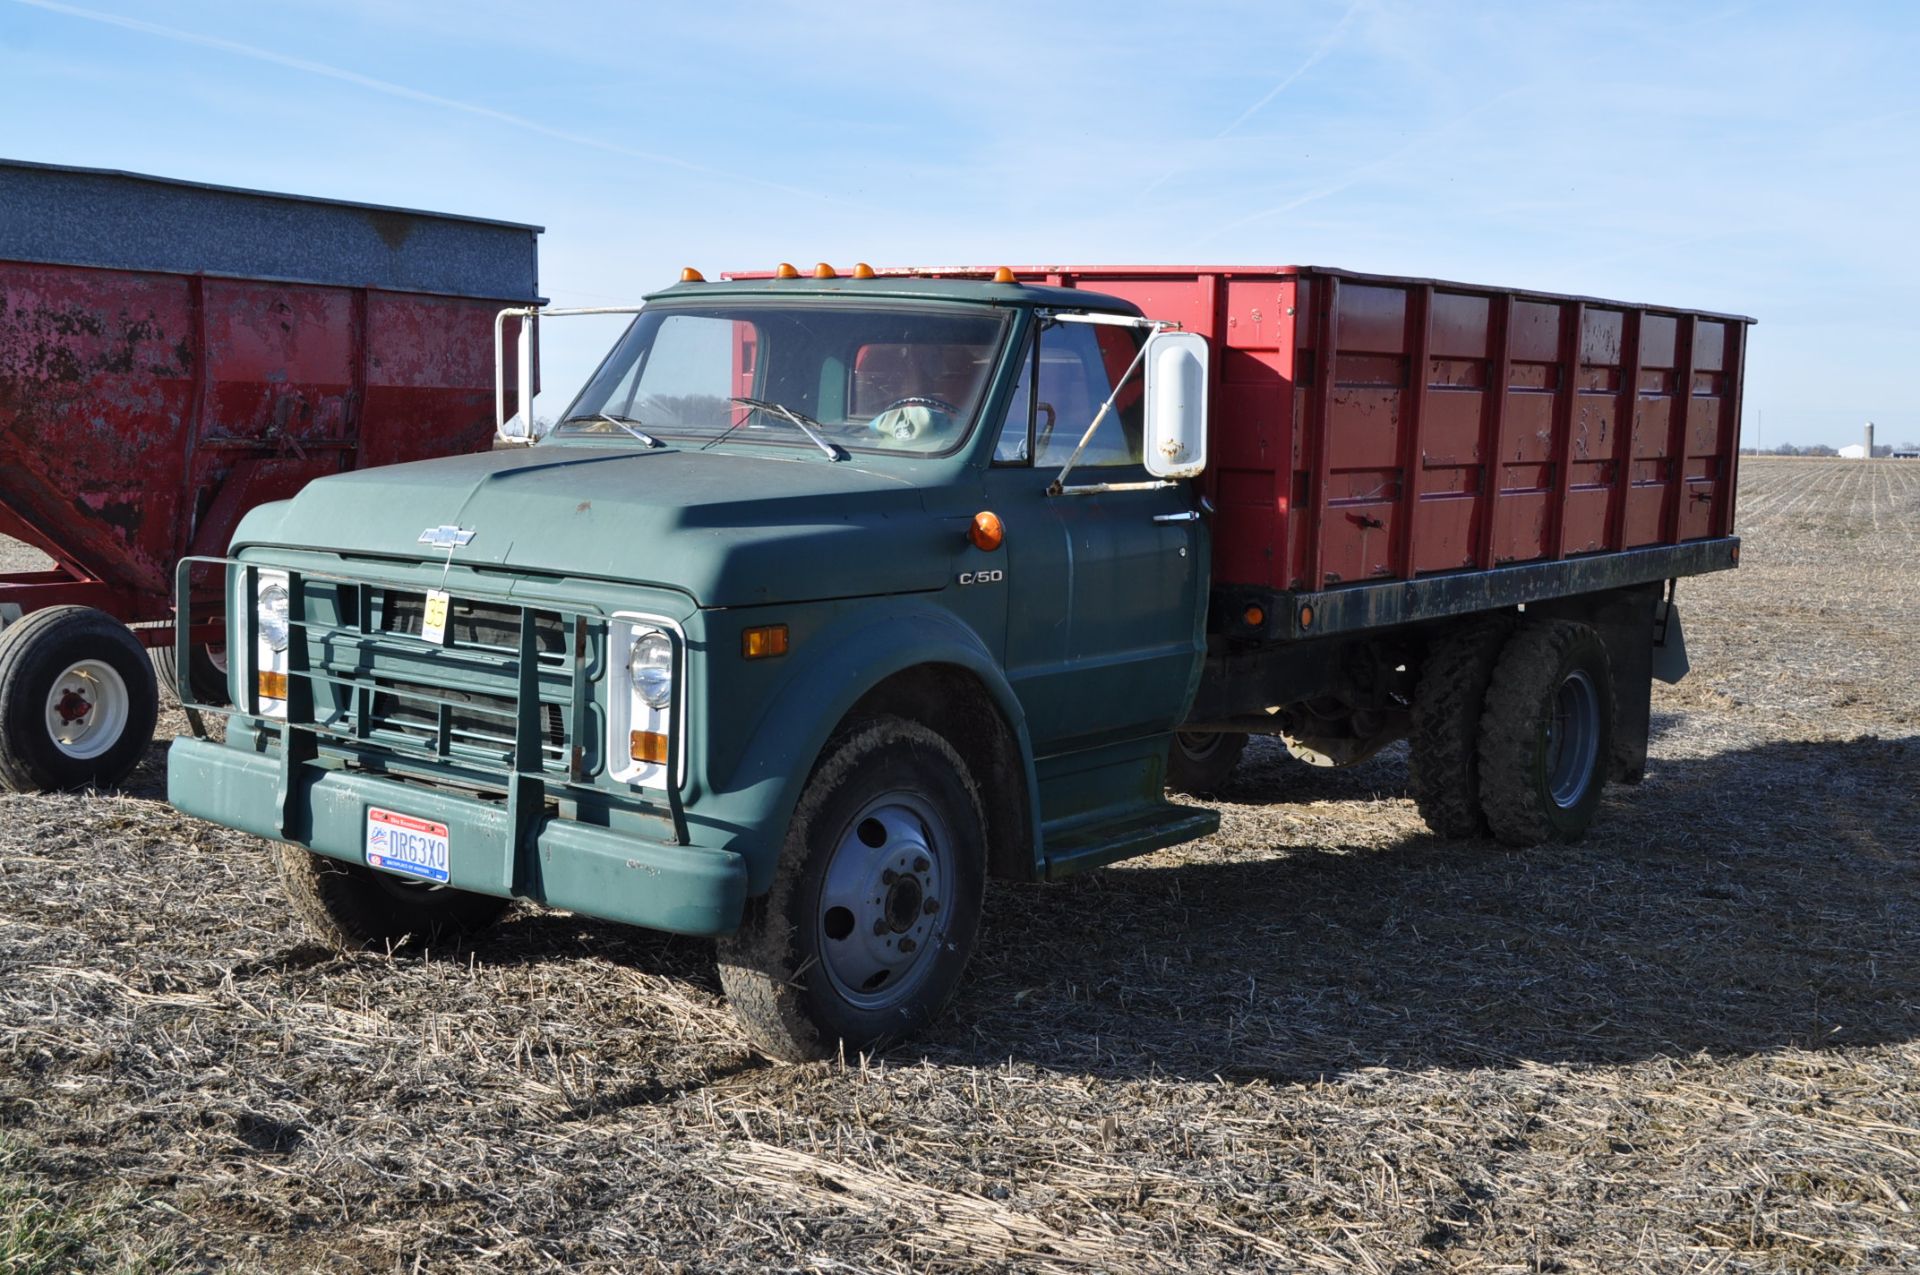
{"type": "Point", "coordinates": [826, 599]}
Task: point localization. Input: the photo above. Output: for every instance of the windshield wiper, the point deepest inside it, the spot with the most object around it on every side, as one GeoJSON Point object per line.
{"type": "Point", "coordinates": [620, 422]}
{"type": "Point", "coordinates": [806, 424]}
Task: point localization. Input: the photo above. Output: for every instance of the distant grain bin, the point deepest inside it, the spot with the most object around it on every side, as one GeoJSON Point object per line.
{"type": "Point", "coordinates": [1869, 452]}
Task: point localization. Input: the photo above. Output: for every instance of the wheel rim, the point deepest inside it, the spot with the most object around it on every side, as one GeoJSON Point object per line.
{"type": "Point", "coordinates": [1573, 739]}
{"type": "Point", "coordinates": [884, 905]}
{"type": "Point", "coordinates": [1197, 745]}
{"type": "Point", "coordinates": [87, 709]}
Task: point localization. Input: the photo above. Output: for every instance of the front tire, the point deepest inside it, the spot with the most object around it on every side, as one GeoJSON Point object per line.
{"type": "Point", "coordinates": [77, 701]}
{"type": "Point", "coordinates": [875, 905]}
{"type": "Point", "coordinates": [351, 907]}
{"type": "Point", "coordinates": [1546, 734]}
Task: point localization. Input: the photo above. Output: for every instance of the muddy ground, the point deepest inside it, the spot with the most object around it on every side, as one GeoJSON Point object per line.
{"type": "Point", "coordinates": [1319, 1040]}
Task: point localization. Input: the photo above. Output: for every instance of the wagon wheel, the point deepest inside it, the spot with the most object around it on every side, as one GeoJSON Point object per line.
{"type": "Point", "coordinates": [77, 701]}
{"type": "Point", "coordinates": [207, 673]}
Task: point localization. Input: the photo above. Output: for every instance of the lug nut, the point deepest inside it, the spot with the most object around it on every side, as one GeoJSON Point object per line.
{"type": "Point", "coordinates": [933, 905]}
{"type": "Point", "coordinates": [886, 876]}
{"type": "Point", "coordinates": [906, 944]}
{"type": "Point", "coordinates": [880, 926]}
{"type": "Point", "coordinates": [920, 864]}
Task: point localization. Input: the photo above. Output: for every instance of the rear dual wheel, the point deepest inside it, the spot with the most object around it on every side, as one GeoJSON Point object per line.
{"type": "Point", "coordinates": [1202, 763]}
{"type": "Point", "coordinates": [77, 701]}
{"type": "Point", "coordinates": [1546, 734]}
{"type": "Point", "coordinates": [1512, 728]}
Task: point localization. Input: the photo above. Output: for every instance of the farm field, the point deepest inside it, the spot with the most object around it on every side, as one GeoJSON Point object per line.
{"type": "Point", "coordinates": [1320, 1040]}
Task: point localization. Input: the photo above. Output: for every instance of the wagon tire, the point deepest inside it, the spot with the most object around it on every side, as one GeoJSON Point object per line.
{"type": "Point", "coordinates": [1443, 744]}
{"type": "Point", "coordinates": [1201, 764]}
{"type": "Point", "coordinates": [207, 679]}
{"type": "Point", "coordinates": [77, 701]}
{"type": "Point", "coordinates": [1546, 734]}
{"type": "Point", "coordinates": [351, 907]}
{"type": "Point", "coordinates": [875, 905]}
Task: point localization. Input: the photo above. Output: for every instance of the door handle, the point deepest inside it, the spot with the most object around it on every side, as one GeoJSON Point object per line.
{"type": "Point", "coordinates": [1191, 515]}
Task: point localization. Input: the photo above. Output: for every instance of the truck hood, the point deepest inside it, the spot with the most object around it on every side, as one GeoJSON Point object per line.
{"type": "Point", "coordinates": [727, 528]}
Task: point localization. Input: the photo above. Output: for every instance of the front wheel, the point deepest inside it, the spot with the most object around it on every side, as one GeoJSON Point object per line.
{"type": "Point", "coordinates": [875, 904]}
{"type": "Point", "coordinates": [350, 907]}
{"type": "Point", "coordinates": [77, 701]}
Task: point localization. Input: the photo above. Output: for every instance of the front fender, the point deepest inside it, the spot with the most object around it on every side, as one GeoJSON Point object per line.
{"type": "Point", "coordinates": [839, 665]}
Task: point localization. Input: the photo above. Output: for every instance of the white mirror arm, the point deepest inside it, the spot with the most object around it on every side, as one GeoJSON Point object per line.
{"type": "Point", "coordinates": [529, 317]}
{"type": "Point", "coordinates": [1059, 483]}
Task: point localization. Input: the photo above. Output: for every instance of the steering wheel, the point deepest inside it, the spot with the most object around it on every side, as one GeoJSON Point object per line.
{"type": "Point", "coordinates": [921, 400]}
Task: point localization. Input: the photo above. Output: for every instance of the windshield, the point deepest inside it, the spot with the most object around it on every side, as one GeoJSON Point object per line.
{"type": "Point", "coordinates": [865, 377]}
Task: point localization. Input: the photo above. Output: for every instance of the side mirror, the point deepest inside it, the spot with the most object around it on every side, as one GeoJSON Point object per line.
{"type": "Point", "coordinates": [517, 427]}
{"type": "Point", "coordinates": [1176, 393]}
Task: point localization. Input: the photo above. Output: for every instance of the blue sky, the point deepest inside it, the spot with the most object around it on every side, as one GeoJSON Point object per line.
{"type": "Point", "coordinates": [1761, 158]}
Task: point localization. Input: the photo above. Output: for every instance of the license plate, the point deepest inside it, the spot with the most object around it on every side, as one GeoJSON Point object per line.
{"type": "Point", "coordinates": [401, 843]}
{"type": "Point", "coordinates": [433, 624]}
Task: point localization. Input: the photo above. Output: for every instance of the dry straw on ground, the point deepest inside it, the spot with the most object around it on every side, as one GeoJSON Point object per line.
{"type": "Point", "coordinates": [1320, 1040]}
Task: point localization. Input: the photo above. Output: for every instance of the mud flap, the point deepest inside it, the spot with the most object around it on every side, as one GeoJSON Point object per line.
{"type": "Point", "coordinates": [1669, 643]}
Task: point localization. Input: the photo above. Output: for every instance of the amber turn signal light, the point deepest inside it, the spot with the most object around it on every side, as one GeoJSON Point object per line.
{"type": "Point", "coordinates": [786, 271]}
{"type": "Point", "coordinates": [987, 532]}
{"type": "Point", "coordinates": [1254, 616]}
{"type": "Point", "coordinates": [763, 642]}
{"type": "Point", "coordinates": [272, 685]}
{"type": "Point", "coordinates": [1306, 617]}
{"type": "Point", "coordinates": [650, 747]}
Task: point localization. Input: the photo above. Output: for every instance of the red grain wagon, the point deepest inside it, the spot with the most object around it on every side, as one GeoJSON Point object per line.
{"type": "Point", "coordinates": [173, 354]}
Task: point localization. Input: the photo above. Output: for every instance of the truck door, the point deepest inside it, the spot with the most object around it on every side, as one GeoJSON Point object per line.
{"type": "Point", "coordinates": [1104, 589]}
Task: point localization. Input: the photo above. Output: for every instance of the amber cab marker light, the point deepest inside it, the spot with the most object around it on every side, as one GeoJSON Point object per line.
{"type": "Point", "coordinates": [1004, 275]}
{"type": "Point", "coordinates": [987, 531]}
{"type": "Point", "coordinates": [786, 271]}
{"type": "Point", "coordinates": [763, 642]}
{"type": "Point", "coordinates": [272, 685]}
{"type": "Point", "coordinates": [825, 271]}
{"type": "Point", "coordinates": [650, 747]}
{"type": "Point", "coordinates": [1306, 617]}
{"type": "Point", "coordinates": [689, 275]}
{"type": "Point", "coordinates": [862, 270]}
{"type": "Point", "coordinates": [1254, 617]}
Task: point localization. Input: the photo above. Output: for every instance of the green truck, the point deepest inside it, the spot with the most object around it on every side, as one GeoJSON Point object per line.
{"type": "Point", "coordinates": [830, 597]}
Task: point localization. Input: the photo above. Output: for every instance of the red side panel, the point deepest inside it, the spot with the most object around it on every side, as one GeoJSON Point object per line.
{"type": "Point", "coordinates": [141, 413]}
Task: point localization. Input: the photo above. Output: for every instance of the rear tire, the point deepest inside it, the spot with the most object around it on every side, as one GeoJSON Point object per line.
{"type": "Point", "coordinates": [77, 701]}
{"type": "Point", "coordinates": [351, 907]}
{"type": "Point", "coordinates": [1443, 769]}
{"type": "Point", "coordinates": [875, 904]}
{"type": "Point", "coordinates": [208, 674]}
{"type": "Point", "coordinates": [1547, 734]}
{"type": "Point", "coordinates": [1203, 763]}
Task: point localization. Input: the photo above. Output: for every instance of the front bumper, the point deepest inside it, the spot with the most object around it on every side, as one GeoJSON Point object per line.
{"type": "Point", "coordinates": [565, 864]}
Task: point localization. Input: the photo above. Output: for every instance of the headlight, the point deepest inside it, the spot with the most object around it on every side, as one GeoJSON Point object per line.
{"type": "Point", "coordinates": [272, 610]}
{"type": "Point", "coordinates": [651, 664]}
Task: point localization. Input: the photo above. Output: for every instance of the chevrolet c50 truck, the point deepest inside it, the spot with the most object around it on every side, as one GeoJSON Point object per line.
{"type": "Point", "coordinates": [831, 596]}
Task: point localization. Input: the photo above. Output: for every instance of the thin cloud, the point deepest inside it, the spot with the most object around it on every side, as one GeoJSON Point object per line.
{"type": "Point", "coordinates": [390, 89]}
{"type": "Point", "coordinates": [1313, 59]}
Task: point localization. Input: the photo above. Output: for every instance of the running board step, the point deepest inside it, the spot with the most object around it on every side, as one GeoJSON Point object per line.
{"type": "Point", "coordinates": [1081, 846]}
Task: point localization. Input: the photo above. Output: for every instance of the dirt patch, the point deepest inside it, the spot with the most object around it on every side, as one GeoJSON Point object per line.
{"type": "Point", "coordinates": [1319, 1040]}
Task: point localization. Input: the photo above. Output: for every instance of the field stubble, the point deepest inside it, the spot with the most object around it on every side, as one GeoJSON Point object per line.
{"type": "Point", "coordinates": [1318, 1040]}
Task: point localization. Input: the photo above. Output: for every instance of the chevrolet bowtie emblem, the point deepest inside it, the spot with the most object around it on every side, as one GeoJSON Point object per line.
{"type": "Point", "coordinates": [446, 536]}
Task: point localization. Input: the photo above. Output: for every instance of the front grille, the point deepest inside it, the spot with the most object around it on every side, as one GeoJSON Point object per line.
{"type": "Point", "coordinates": [471, 623]}
{"type": "Point", "coordinates": [457, 703]}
